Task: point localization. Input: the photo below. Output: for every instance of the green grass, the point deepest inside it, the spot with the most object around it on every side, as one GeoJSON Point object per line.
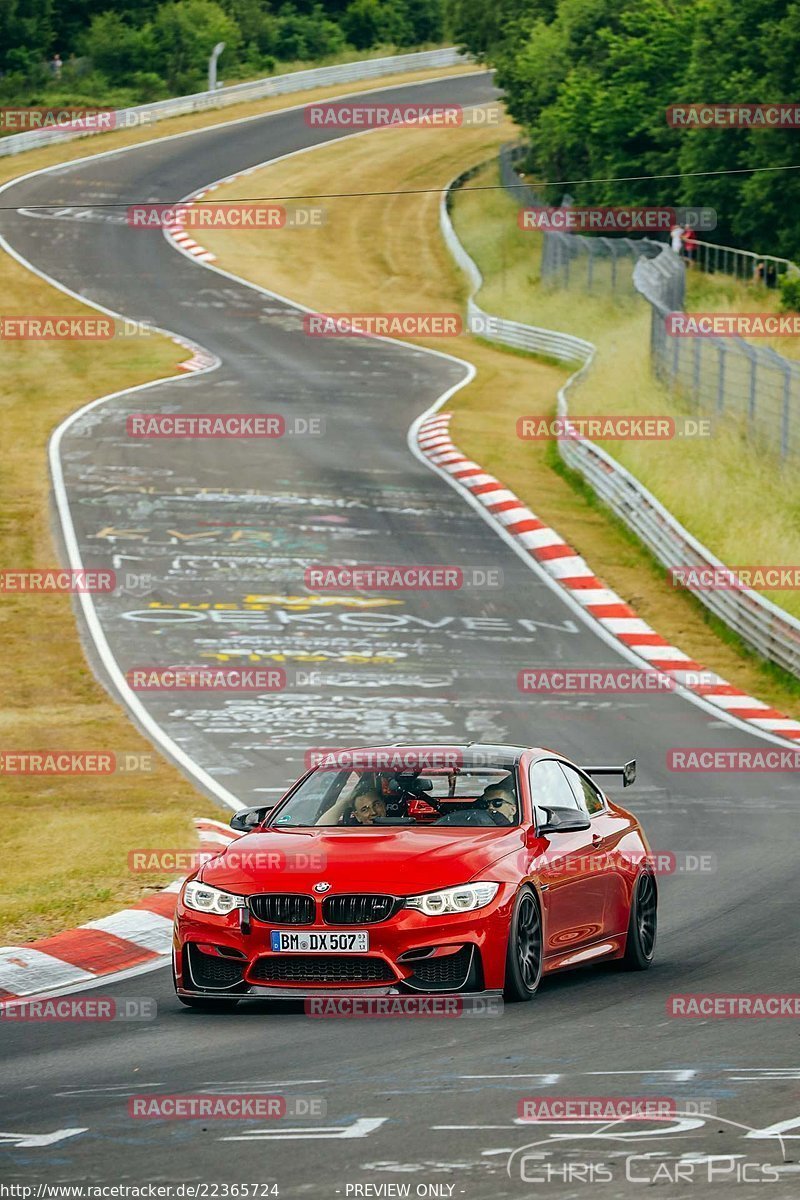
{"type": "Point", "coordinates": [742, 503]}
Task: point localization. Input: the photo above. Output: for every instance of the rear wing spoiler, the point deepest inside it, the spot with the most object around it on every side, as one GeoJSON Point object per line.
{"type": "Point", "coordinates": [627, 771]}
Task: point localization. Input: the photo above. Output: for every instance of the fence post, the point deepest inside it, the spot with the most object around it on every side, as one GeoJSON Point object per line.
{"type": "Point", "coordinates": [751, 406]}
{"type": "Point", "coordinates": [676, 350]}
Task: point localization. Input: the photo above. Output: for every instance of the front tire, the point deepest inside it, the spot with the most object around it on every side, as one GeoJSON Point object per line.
{"type": "Point", "coordinates": [640, 945]}
{"type": "Point", "coordinates": [525, 955]}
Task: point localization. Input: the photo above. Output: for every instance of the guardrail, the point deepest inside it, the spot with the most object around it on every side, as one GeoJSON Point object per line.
{"type": "Point", "coordinates": [765, 628]}
{"type": "Point", "coordinates": [256, 89]}
{"type": "Point", "coordinates": [743, 264]}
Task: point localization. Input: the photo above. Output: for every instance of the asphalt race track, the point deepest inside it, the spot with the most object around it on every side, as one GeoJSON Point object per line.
{"type": "Point", "coordinates": [226, 528]}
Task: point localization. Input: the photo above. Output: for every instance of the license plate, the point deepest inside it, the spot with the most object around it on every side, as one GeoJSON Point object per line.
{"type": "Point", "coordinates": [326, 941]}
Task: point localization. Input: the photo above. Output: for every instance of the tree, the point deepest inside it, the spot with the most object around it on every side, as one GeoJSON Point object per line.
{"type": "Point", "coordinates": [307, 35]}
{"type": "Point", "coordinates": [116, 48]}
{"type": "Point", "coordinates": [26, 33]}
{"type": "Point", "coordinates": [426, 19]}
{"type": "Point", "coordinates": [370, 23]}
{"type": "Point", "coordinates": [184, 32]}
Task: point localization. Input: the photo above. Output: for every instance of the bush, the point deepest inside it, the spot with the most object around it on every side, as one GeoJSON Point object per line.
{"type": "Point", "coordinates": [148, 87]}
{"type": "Point", "coordinates": [427, 19]}
{"type": "Point", "coordinates": [116, 48]}
{"type": "Point", "coordinates": [307, 35]}
{"type": "Point", "coordinates": [369, 23]}
{"type": "Point", "coordinates": [790, 293]}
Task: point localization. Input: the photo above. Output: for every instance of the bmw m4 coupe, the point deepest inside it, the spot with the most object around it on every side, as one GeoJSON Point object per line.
{"type": "Point", "coordinates": [420, 869]}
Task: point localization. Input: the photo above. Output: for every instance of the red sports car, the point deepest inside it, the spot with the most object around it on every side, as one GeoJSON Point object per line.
{"type": "Point", "coordinates": [419, 869]}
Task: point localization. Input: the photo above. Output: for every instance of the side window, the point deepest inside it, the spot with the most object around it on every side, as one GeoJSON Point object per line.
{"type": "Point", "coordinates": [586, 793]}
{"type": "Point", "coordinates": [549, 788]}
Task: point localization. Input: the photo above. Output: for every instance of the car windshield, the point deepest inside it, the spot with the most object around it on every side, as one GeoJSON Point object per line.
{"type": "Point", "coordinates": [355, 799]}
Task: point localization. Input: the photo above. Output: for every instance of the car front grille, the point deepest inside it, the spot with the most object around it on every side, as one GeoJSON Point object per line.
{"type": "Point", "coordinates": [360, 908]}
{"type": "Point", "coordinates": [320, 969]}
{"type": "Point", "coordinates": [280, 908]}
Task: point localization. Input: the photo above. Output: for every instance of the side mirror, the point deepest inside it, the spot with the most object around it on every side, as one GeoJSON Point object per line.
{"type": "Point", "coordinates": [246, 819]}
{"type": "Point", "coordinates": [564, 820]}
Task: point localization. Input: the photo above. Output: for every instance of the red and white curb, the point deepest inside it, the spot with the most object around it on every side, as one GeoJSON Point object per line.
{"type": "Point", "coordinates": [176, 230]}
{"type": "Point", "coordinates": [201, 360]}
{"type": "Point", "coordinates": [132, 938]}
{"type": "Point", "coordinates": [570, 571]}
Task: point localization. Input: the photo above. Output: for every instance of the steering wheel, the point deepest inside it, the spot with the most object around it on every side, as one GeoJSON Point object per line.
{"type": "Point", "coordinates": [466, 816]}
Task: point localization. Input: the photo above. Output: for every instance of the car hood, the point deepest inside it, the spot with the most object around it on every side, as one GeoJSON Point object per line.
{"type": "Point", "coordinates": [401, 862]}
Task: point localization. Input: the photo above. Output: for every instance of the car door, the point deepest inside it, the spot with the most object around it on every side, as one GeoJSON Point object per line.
{"type": "Point", "coordinates": [573, 894]}
{"type": "Point", "coordinates": [608, 830]}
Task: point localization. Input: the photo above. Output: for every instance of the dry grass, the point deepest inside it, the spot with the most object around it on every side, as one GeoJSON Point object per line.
{"type": "Point", "coordinates": [66, 839]}
{"type": "Point", "coordinates": [361, 260]}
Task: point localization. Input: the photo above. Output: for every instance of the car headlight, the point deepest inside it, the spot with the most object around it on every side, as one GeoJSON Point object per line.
{"type": "Point", "coordinates": [203, 898]}
{"type": "Point", "coordinates": [461, 899]}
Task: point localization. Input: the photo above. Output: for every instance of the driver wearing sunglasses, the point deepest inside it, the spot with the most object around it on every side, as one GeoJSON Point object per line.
{"type": "Point", "coordinates": [501, 802]}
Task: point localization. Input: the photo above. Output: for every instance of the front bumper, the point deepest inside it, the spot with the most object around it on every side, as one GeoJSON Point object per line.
{"type": "Point", "coordinates": [408, 953]}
